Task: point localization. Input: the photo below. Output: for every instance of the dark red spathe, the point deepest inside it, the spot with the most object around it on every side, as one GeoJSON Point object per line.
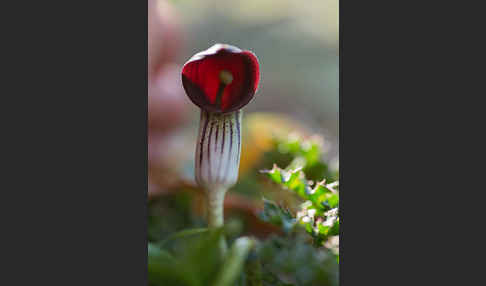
{"type": "Point", "coordinates": [201, 78]}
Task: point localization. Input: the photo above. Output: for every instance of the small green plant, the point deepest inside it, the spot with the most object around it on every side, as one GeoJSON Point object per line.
{"type": "Point", "coordinates": [318, 213]}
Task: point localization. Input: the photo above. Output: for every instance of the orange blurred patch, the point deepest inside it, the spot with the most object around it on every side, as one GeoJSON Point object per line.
{"type": "Point", "coordinates": [259, 131]}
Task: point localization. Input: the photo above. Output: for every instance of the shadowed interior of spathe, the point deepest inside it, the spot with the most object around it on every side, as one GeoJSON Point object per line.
{"type": "Point", "coordinates": [230, 73]}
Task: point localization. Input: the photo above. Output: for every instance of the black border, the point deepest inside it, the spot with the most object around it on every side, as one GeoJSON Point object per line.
{"type": "Point", "coordinates": [77, 159]}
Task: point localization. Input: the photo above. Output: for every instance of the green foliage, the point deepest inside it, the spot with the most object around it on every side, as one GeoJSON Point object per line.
{"type": "Point", "coordinates": [319, 214]}
{"type": "Point", "coordinates": [306, 154]}
{"type": "Point", "coordinates": [322, 196]}
{"type": "Point", "coordinates": [197, 261]}
{"type": "Point", "coordinates": [276, 215]}
{"type": "Point", "coordinates": [293, 152]}
{"type": "Point", "coordinates": [170, 214]}
{"type": "Point", "coordinates": [183, 252]}
{"type": "Point", "coordinates": [291, 260]}
{"type": "Point", "coordinates": [163, 268]}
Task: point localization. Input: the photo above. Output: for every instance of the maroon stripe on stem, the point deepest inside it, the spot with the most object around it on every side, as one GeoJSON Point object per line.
{"type": "Point", "coordinates": [205, 117]}
{"type": "Point", "coordinates": [209, 150]}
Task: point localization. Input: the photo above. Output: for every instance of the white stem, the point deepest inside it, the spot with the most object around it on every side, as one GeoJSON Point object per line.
{"type": "Point", "coordinates": [215, 208]}
{"type": "Point", "coordinates": [215, 204]}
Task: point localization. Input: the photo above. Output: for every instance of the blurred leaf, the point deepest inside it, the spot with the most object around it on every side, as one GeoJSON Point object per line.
{"type": "Point", "coordinates": [183, 233]}
{"type": "Point", "coordinates": [234, 262]}
{"type": "Point", "coordinates": [276, 215]}
{"type": "Point", "coordinates": [310, 149]}
{"type": "Point", "coordinates": [171, 213]}
{"type": "Point", "coordinates": [307, 154]}
{"type": "Point", "coordinates": [292, 261]}
{"type": "Point", "coordinates": [156, 253]}
{"type": "Point", "coordinates": [203, 257]}
{"type": "Point", "coordinates": [164, 270]}
{"type": "Point", "coordinates": [196, 263]}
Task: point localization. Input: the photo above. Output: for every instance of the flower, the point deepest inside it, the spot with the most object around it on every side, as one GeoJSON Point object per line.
{"type": "Point", "coordinates": [221, 79]}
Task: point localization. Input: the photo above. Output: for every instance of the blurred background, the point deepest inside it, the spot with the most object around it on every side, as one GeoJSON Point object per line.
{"type": "Point", "coordinates": [297, 45]}
{"type": "Point", "coordinates": [295, 41]}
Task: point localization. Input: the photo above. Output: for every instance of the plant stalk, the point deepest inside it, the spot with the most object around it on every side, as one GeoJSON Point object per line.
{"type": "Point", "coordinates": [217, 161]}
{"type": "Point", "coordinates": [215, 209]}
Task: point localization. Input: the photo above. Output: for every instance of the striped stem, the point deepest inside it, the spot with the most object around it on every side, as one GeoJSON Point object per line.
{"type": "Point", "coordinates": [218, 150]}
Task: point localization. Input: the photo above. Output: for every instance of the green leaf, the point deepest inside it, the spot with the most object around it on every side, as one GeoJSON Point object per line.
{"type": "Point", "coordinates": [278, 216]}
{"type": "Point", "coordinates": [194, 261]}
{"type": "Point", "coordinates": [234, 262]}
{"type": "Point", "coordinates": [163, 269]}
{"type": "Point", "coordinates": [322, 196]}
{"type": "Point", "coordinates": [275, 174]}
{"type": "Point", "coordinates": [183, 234]}
{"type": "Point", "coordinates": [202, 256]}
{"type": "Point", "coordinates": [292, 179]}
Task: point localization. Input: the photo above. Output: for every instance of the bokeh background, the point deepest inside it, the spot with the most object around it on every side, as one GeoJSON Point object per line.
{"type": "Point", "coordinates": [297, 45]}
